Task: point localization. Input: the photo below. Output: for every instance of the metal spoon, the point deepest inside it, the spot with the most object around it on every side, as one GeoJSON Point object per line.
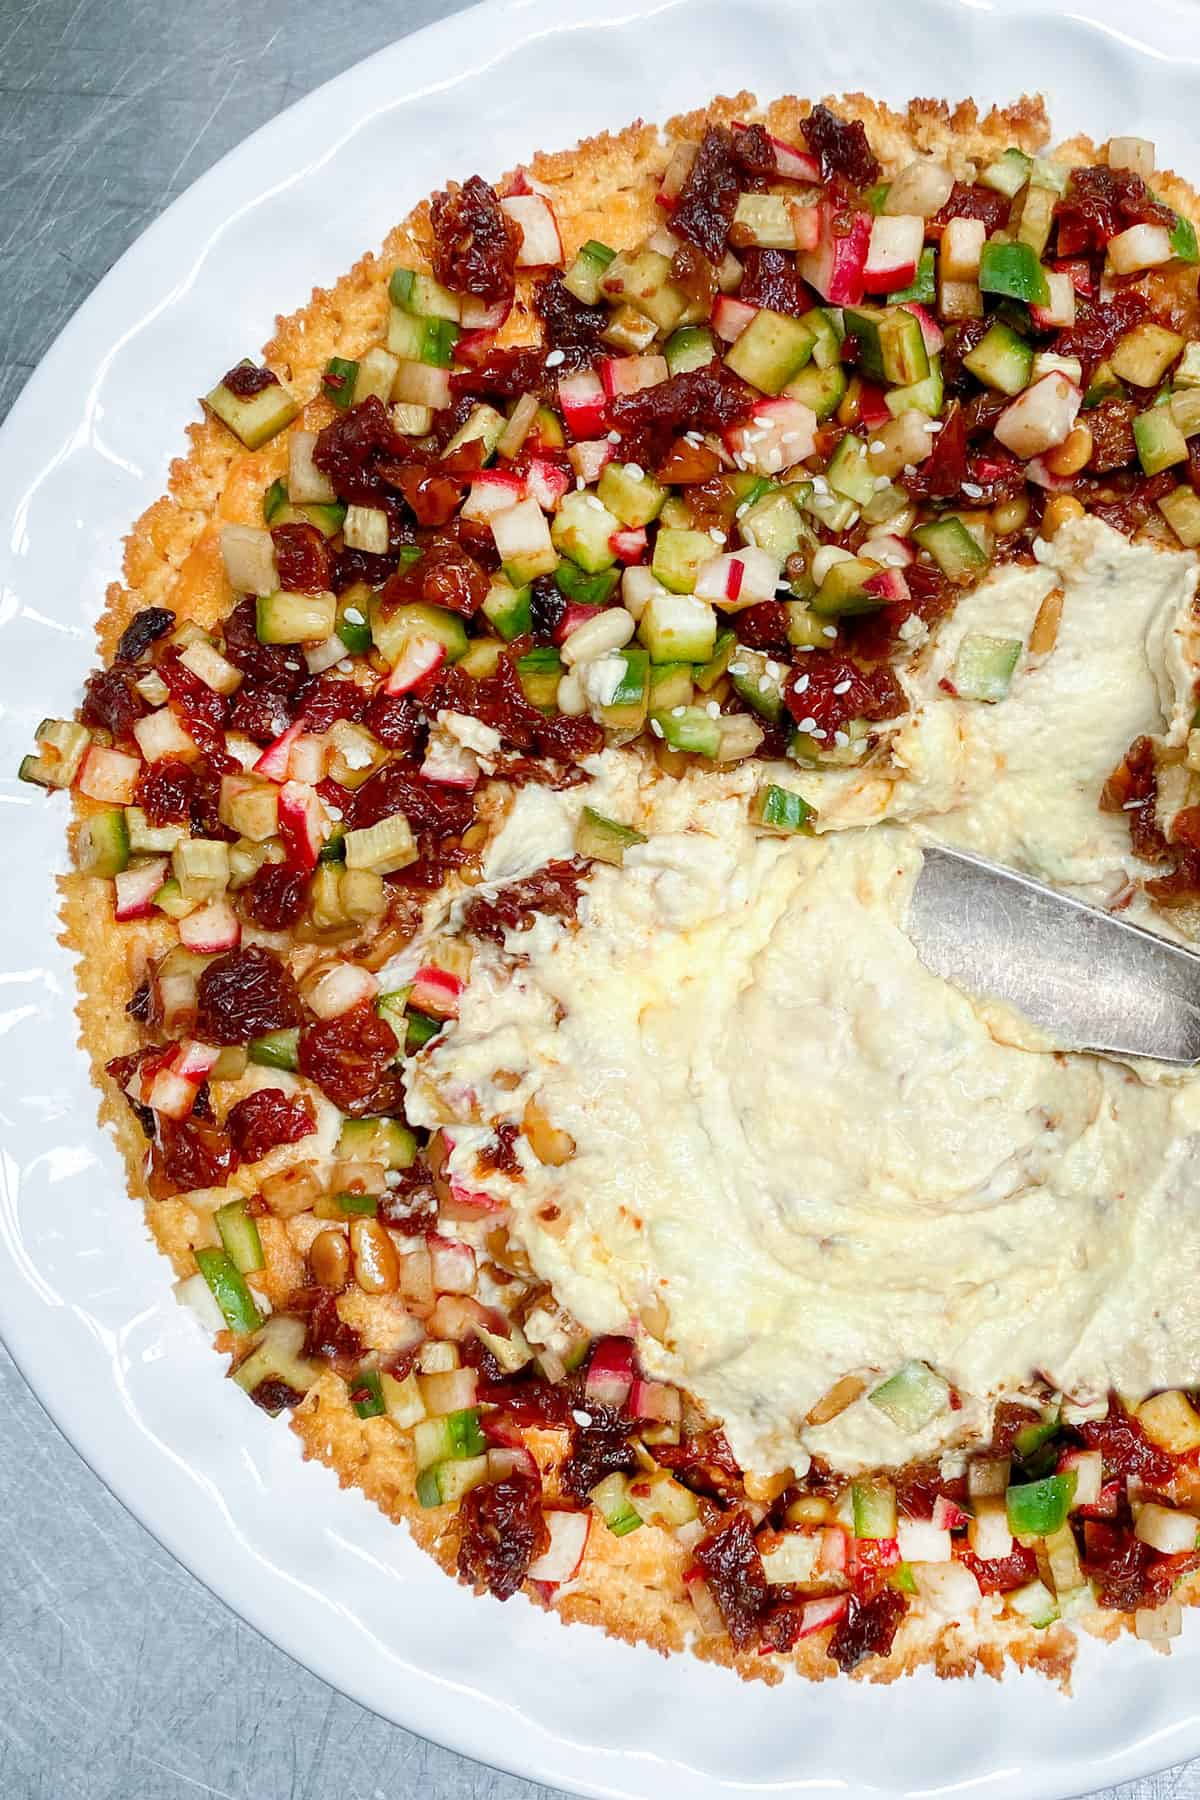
{"type": "Point", "coordinates": [1092, 979]}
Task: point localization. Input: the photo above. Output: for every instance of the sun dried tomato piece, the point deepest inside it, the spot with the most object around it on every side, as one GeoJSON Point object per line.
{"type": "Point", "coordinates": [303, 559]}
{"type": "Point", "coordinates": [446, 576]}
{"type": "Point", "coordinates": [841, 148]}
{"type": "Point", "coordinates": [1111, 426]}
{"type": "Point", "coordinates": [245, 380]}
{"type": "Point", "coordinates": [395, 720]}
{"type": "Point", "coordinates": [353, 566]}
{"type": "Point", "coordinates": [261, 713]}
{"type": "Point", "coordinates": [327, 1336]}
{"type": "Point", "coordinates": [772, 279]}
{"type": "Point", "coordinates": [500, 702]}
{"type": "Point", "coordinates": [970, 201]}
{"type": "Point", "coordinates": [867, 1628]}
{"type": "Point", "coordinates": [206, 803]}
{"type": "Point", "coordinates": [1128, 1573]}
{"type": "Point", "coordinates": [144, 629]}
{"type": "Point", "coordinates": [552, 891]}
{"type": "Point", "coordinates": [503, 1534]}
{"type": "Point", "coordinates": [708, 199]}
{"type": "Point", "coordinates": [920, 1484]}
{"type": "Point", "coordinates": [1000, 1574]}
{"type": "Point", "coordinates": [122, 1068]}
{"type": "Point", "coordinates": [710, 398]}
{"type": "Point", "coordinates": [432, 495]}
{"type": "Point", "coordinates": [279, 666]}
{"type": "Point", "coordinates": [1126, 1449]}
{"type": "Point", "coordinates": [1099, 326]}
{"type": "Point", "coordinates": [944, 470]}
{"type": "Point", "coordinates": [274, 897]}
{"type": "Point", "coordinates": [705, 1462]}
{"type": "Point", "coordinates": [1010, 1418]}
{"type": "Point", "coordinates": [243, 994]}
{"type": "Point", "coordinates": [731, 1565]}
{"type": "Point", "coordinates": [142, 1004]}
{"type": "Point", "coordinates": [274, 1395]}
{"type": "Point", "coordinates": [202, 711]}
{"type": "Point", "coordinates": [351, 1057]}
{"type": "Point", "coordinates": [164, 792]}
{"type": "Point", "coordinates": [190, 1153]}
{"type": "Point", "coordinates": [811, 692]}
{"type": "Point", "coordinates": [1099, 203]}
{"type": "Point", "coordinates": [567, 321]}
{"type": "Point", "coordinates": [598, 1449]}
{"type": "Point", "coordinates": [764, 627]}
{"type": "Point", "coordinates": [1135, 778]}
{"type": "Point", "coordinates": [327, 699]}
{"type": "Point", "coordinates": [475, 243]}
{"type": "Point", "coordinates": [427, 805]}
{"type": "Point", "coordinates": [265, 1118]}
{"type": "Point", "coordinates": [347, 448]}
{"type": "Point", "coordinates": [500, 1155]}
{"type": "Point", "coordinates": [1125, 500]}
{"type": "Point", "coordinates": [111, 702]}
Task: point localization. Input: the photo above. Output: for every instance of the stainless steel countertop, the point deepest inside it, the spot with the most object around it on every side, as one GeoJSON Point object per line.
{"type": "Point", "coordinates": [121, 1677]}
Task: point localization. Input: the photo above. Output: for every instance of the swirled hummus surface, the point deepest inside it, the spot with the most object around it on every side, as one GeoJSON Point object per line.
{"type": "Point", "coordinates": [798, 1153]}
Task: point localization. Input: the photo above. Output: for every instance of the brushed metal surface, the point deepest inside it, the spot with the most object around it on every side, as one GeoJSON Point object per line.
{"type": "Point", "coordinates": [121, 1677]}
{"type": "Point", "coordinates": [1090, 978]}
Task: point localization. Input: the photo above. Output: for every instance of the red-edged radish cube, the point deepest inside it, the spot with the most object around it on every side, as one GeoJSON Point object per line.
{"type": "Point", "coordinates": [886, 548]}
{"type": "Point", "coordinates": [195, 1061]}
{"type": "Point", "coordinates": [779, 434]}
{"type": "Point", "coordinates": [340, 988]}
{"type": "Point", "coordinates": [923, 186]}
{"type": "Point", "coordinates": [888, 585]}
{"type": "Point", "coordinates": [582, 404]}
{"type": "Point", "coordinates": [453, 1268]}
{"type": "Point", "coordinates": [739, 578]}
{"type": "Point", "coordinates": [730, 317]}
{"type": "Point", "coordinates": [920, 1540]}
{"type": "Point", "coordinates": [893, 251]}
{"type": "Point", "coordinates": [1043, 416]}
{"type": "Point", "coordinates": [212, 927]}
{"type": "Point", "coordinates": [160, 735]}
{"type": "Point", "coordinates": [419, 657]}
{"type": "Point", "coordinates": [546, 482]}
{"type": "Point", "coordinates": [792, 163]}
{"type": "Point", "coordinates": [1061, 308]}
{"type": "Point", "coordinates": [483, 315]}
{"type": "Point", "coordinates": [274, 761]}
{"type": "Point", "coordinates": [302, 824]}
{"type": "Point", "coordinates": [589, 458]}
{"type": "Point", "coordinates": [1088, 1469]}
{"type": "Point", "coordinates": [818, 1615]}
{"type": "Point", "coordinates": [436, 992]}
{"type": "Point", "coordinates": [835, 1548]}
{"type": "Point", "coordinates": [108, 775]}
{"type": "Point", "coordinates": [610, 1372]}
{"type": "Point", "coordinates": [136, 888]}
{"type": "Point", "coordinates": [541, 245]}
{"type": "Point", "coordinates": [675, 175]}
{"type": "Point", "coordinates": [448, 761]}
{"type": "Point", "coordinates": [931, 331]}
{"type": "Point", "coordinates": [629, 546]}
{"type": "Point", "coordinates": [1141, 247]}
{"type": "Point", "coordinates": [872, 406]}
{"type": "Point", "coordinates": [491, 491]}
{"type": "Point", "coordinates": [835, 268]}
{"type": "Point", "coordinates": [170, 1095]}
{"type": "Point", "coordinates": [806, 226]}
{"type": "Point", "coordinates": [948, 1515]}
{"type": "Point", "coordinates": [471, 1203]}
{"type": "Point", "coordinates": [962, 247]}
{"type": "Point", "coordinates": [573, 617]}
{"type": "Point", "coordinates": [630, 374]}
{"type": "Point", "coordinates": [522, 539]}
{"type": "Point", "coordinates": [1080, 272]}
{"type": "Point", "coordinates": [561, 1558]}
{"type": "Point", "coordinates": [471, 347]}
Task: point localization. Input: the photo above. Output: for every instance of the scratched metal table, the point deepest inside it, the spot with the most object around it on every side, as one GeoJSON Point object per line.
{"type": "Point", "coordinates": [121, 1678]}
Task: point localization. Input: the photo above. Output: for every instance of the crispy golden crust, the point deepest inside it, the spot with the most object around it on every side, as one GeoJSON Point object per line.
{"type": "Point", "coordinates": [604, 188]}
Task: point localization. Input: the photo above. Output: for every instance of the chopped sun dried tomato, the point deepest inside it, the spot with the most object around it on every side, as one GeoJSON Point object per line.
{"type": "Point", "coordinates": [502, 1532]}
{"type": "Point", "coordinates": [867, 1628]}
{"type": "Point", "coordinates": [567, 321]}
{"type": "Point", "coordinates": [144, 629]}
{"type": "Point", "coordinates": [841, 148]}
{"type": "Point", "coordinates": [708, 199]}
{"type": "Point", "coordinates": [772, 279]}
{"type": "Point", "coordinates": [245, 380]}
{"type": "Point", "coordinates": [243, 994]}
{"type": "Point", "coordinates": [1126, 1449]}
{"type": "Point", "coordinates": [274, 897]}
{"type": "Point", "coordinates": [190, 1153]}
{"type": "Point", "coordinates": [730, 1562]}
{"type": "Point", "coordinates": [351, 1058]}
{"type": "Point", "coordinates": [552, 891]}
{"type": "Point", "coordinates": [303, 559]}
{"type": "Point", "coordinates": [266, 1118]}
{"type": "Point", "coordinates": [475, 243]}
{"type": "Point", "coordinates": [1099, 203]}
{"type": "Point", "coordinates": [111, 702]}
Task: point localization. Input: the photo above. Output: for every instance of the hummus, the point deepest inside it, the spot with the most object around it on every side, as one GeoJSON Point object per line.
{"type": "Point", "coordinates": [798, 1153]}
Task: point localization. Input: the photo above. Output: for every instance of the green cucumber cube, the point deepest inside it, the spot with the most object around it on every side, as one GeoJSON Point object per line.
{"type": "Point", "coordinates": [1001, 360]}
{"type": "Point", "coordinates": [581, 530]}
{"type": "Point", "coordinates": [983, 668]}
{"type": "Point", "coordinates": [630, 494]}
{"type": "Point", "coordinates": [678, 558]}
{"type": "Point", "coordinates": [771, 349]}
{"type": "Point", "coordinates": [678, 627]}
{"type": "Point", "coordinates": [782, 812]}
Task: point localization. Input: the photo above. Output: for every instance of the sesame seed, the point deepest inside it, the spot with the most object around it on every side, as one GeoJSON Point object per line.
{"type": "Point", "coordinates": [694, 439]}
{"type": "Point", "coordinates": [716, 534]}
{"type": "Point", "coordinates": [555, 357]}
{"type": "Point", "coordinates": [934, 425]}
{"type": "Point", "coordinates": [820, 485]}
{"type": "Point", "coordinates": [656, 728]}
{"type": "Point", "coordinates": [801, 685]}
{"type": "Point", "coordinates": [596, 504]}
{"type": "Point", "coordinates": [772, 669]}
{"type": "Point", "coordinates": [335, 812]}
{"type": "Point", "coordinates": [973, 490]}
{"type": "Point", "coordinates": [635, 471]}
{"type": "Point", "coordinates": [877, 444]}
{"type": "Point", "coordinates": [739, 668]}
{"type": "Point", "coordinates": [843, 687]}
{"type": "Point", "coordinates": [739, 460]}
{"type": "Point", "coordinates": [764, 684]}
{"type": "Point", "coordinates": [809, 724]}
{"type": "Point", "coordinates": [881, 482]}
{"type": "Point", "coordinates": [580, 483]}
{"type": "Point", "coordinates": [840, 739]}
{"type": "Point", "coordinates": [819, 734]}
{"type": "Point", "coordinates": [713, 710]}
{"type": "Point", "coordinates": [345, 666]}
{"type": "Point", "coordinates": [741, 511]}
{"type": "Point", "coordinates": [353, 616]}
{"type": "Point", "coordinates": [829, 631]}
{"type": "Point", "coordinates": [614, 437]}
{"type": "Point", "coordinates": [1131, 805]}
{"type": "Point", "coordinates": [580, 1417]}
{"type": "Point", "coordinates": [677, 712]}
{"type": "Point", "coordinates": [763, 419]}
{"type": "Point", "coordinates": [910, 468]}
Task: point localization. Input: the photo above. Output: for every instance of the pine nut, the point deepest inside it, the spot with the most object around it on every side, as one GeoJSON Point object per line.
{"type": "Point", "coordinates": [1044, 635]}
{"type": "Point", "coordinates": [550, 1145]}
{"type": "Point", "coordinates": [1073, 454]}
{"type": "Point", "coordinates": [1059, 510]}
{"type": "Point", "coordinates": [609, 630]}
{"type": "Point", "coordinates": [329, 1259]}
{"type": "Point", "coordinates": [1010, 515]}
{"type": "Point", "coordinates": [376, 1264]}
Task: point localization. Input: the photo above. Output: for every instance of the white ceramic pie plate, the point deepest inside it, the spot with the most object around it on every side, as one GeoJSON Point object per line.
{"type": "Point", "coordinates": [85, 1303]}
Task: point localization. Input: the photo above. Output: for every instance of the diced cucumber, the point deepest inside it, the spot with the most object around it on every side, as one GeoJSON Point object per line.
{"type": "Point", "coordinates": [642, 279]}
{"type": "Point", "coordinates": [690, 728]}
{"type": "Point", "coordinates": [1031, 1438]}
{"type": "Point", "coordinates": [765, 221]}
{"type": "Point", "coordinates": [923, 287]}
{"type": "Point", "coordinates": [382, 848]}
{"type": "Point", "coordinates": [421, 1029]}
{"type": "Point", "coordinates": [849, 472]}
{"type": "Point", "coordinates": [671, 684]}
{"type": "Point", "coordinates": [825, 323]}
{"type": "Point", "coordinates": [337, 383]}
{"type": "Point", "coordinates": [582, 589]}
{"type": "Point", "coordinates": [844, 589]}
{"type": "Point", "coordinates": [539, 672]}
{"type": "Point", "coordinates": [677, 627]}
{"type": "Point", "coordinates": [1185, 410]}
{"type": "Point", "coordinates": [454, 1436]}
{"type": "Point", "coordinates": [385, 1141]}
{"type": "Point", "coordinates": [346, 1205]}
{"type": "Point", "coordinates": [782, 812]}
{"type": "Point", "coordinates": [631, 495]}
{"type": "Point", "coordinates": [581, 530]}
{"type": "Point", "coordinates": [983, 668]}
{"type": "Point", "coordinates": [759, 682]}
{"type": "Point", "coordinates": [1035, 216]}
{"type": "Point", "coordinates": [393, 630]}
{"type": "Point", "coordinates": [775, 525]}
{"type": "Point", "coordinates": [256, 417]}
{"type": "Point", "coordinates": [422, 295]}
{"type": "Point", "coordinates": [377, 372]}
{"type": "Point", "coordinates": [1013, 270]}
{"type": "Point", "coordinates": [707, 675]}
{"type": "Point", "coordinates": [912, 1397]}
{"type": "Point", "coordinates": [876, 196]}
{"type": "Point", "coordinates": [1187, 371]}
{"type": "Point", "coordinates": [678, 557]}
{"type": "Point", "coordinates": [626, 711]}
{"type": "Point", "coordinates": [1144, 354]}
{"type": "Point", "coordinates": [891, 343]}
{"type": "Point", "coordinates": [1038, 1508]}
{"type": "Point", "coordinates": [102, 844]}
{"type": "Point", "coordinates": [1034, 1603]}
{"type": "Point", "coordinates": [1181, 510]}
{"type": "Point", "coordinates": [229, 1290]}
{"type": "Point", "coordinates": [658, 1499]}
{"type": "Point", "coordinates": [366, 1394]}
{"type": "Point", "coordinates": [445, 1483]}
{"type": "Point", "coordinates": [771, 349]}
{"type": "Point", "coordinates": [921, 396]}
{"type": "Point", "coordinates": [691, 347]}
{"type": "Point", "coordinates": [1183, 240]}
{"type": "Point", "coordinates": [583, 277]}
{"type": "Point", "coordinates": [611, 1499]}
{"type": "Point", "coordinates": [239, 1234]}
{"type": "Point", "coordinates": [149, 840]}
{"type": "Point", "coordinates": [278, 1356]}
{"type": "Point", "coordinates": [283, 618]}
{"type": "Point", "coordinates": [402, 1399]}
{"type": "Point", "coordinates": [874, 1508]}
{"type": "Point", "coordinates": [676, 513]}
{"type": "Point", "coordinates": [484, 426]}
{"type": "Point", "coordinates": [628, 329]}
{"type": "Point", "coordinates": [352, 624]}
{"type": "Point", "coordinates": [276, 1049]}
{"type": "Point", "coordinates": [62, 745]}
{"type": "Point", "coordinates": [508, 609]}
{"type": "Point", "coordinates": [952, 548]}
{"type": "Point", "coordinates": [822, 389]}
{"type": "Point", "coordinates": [1001, 360]}
{"type": "Point", "coordinates": [604, 839]}
{"type": "Point", "coordinates": [1160, 443]}
{"type": "Point", "coordinates": [1008, 174]}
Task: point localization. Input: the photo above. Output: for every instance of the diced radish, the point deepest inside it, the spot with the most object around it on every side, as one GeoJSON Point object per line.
{"type": "Point", "coordinates": [655, 1400]}
{"type": "Point", "coordinates": [546, 482]}
{"type": "Point", "coordinates": [1108, 1505]}
{"type": "Point", "coordinates": [541, 245]}
{"type": "Point", "coordinates": [835, 268]}
{"type": "Point", "coordinates": [779, 434]}
{"type": "Point", "coordinates": [455, 1316]}
{"type": "Point", "coordinates": [948, 1589]}
{"type": "Point", "coordinates": [628, 546]}
{"type": "Point", "coordinates": [419, 657]}
{"type": "Point", "coordinates": [339, 988]}
{"type": "Point", "coordinates": [1040, 418]}
{"type": "Point", "coordinates": [791, 163]}
{"type": "Point", "coordinates": [886, 548]}
{"type": "Point", "coordinates": [889, 586]}
{"type": "Point", "coordinates": [308, 759]}
{"type": "Point", "coordinates": [512, 1460]}
{"type": "Point", "coordinates": [478, 315]}
{"type": "Point", "coordinates": [874, 1553]}
{"type": "Point", "coordinates": [590, 457]}
{"type": "Point", "coordinates": [564, 1553]}
{"type": "Point", "coordinates": [1088, 1469]}
{"type": "Point", "coordinates": [923, 186]}
{"type": "Point", "coordinates": [962, 248]}
{"type": "Point", "coordinates": [436, 992]}
{"type": "Point", "coordinates": [582, 404]}
{"type": "Point", "coordinates": [806, 226]}
{"type": "Point", "coordinates": [170, 1095]}
{"type": "Point", "coordinates": [521, 534]}
{"type": "Point", "coordinates": [160, 735]}
{"type": "Point", "coordinates": [730, 317]}
{"type": "Point", "coordinates": [573, 617]}
{"type": "Point", "coordinates": [834, 1548]}
{"type": "Point", "coordinates": [893, 251]}
{"type": "Point", "coordinates": [1169, 1532]}
{"type": "Point", "coordinates": [610, 1372]}
{"type": "Point", "coordinates": [987, 1532]}
{"type": "Point", "coordinates": [470, 1203]}
{"type": "Point", "coordinates": [630, 374]}
{"type": "Point", "coordinates": [108, 775]}
{"type": "Point", "coordinates": [453, 1266]}
{"type": "Point", "coordinates": [931, 331]}
{"type": "Point", "coordinates": [739, 578]}
{"type": "Point", "coordinates": [471, 347]}
{"type": "Point", "coordinates": [273, 763]}
{"type": "Point", "coordinates": [922, 1541]}
{"type": "Point", "coordinates": [948, 1515]}
{"type": "Point", "coordinates": [818, 1615]}
{"type": "Point", "coordinates": [302, 824]}
{"type": "Point", "coordinates": [1037, 472]}
{"type": "Point", "coordinates": [675, 175]}
{"type": "Point", "coordinates": [1061, 308]}
{"type": "Point", "coordinates": [449, 1390]}
{"type": "Point", "coordinates": [708, 1613]}
{"type": "Point", "coordinates": [1141, 247]}
{"type": "Point", "coordinates": [491, 491]}
{"type": "Point", "coordinates": [1080, 272]}
{"type": "Point", "coordinates": [448, 762]}
{"type": "Point", "coordinates": [136, 888]}
{"type": "Point", "coordinates": [212, 927]}
{"type": "Point", "coordinates": [194, 1060]}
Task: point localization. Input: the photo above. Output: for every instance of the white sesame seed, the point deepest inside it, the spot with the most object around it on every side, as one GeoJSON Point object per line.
{"type": "Point", "coordinates": [716, 534]}
{"type": "Point", "coordinates": [829, 631]}
{"type": "Point", "coordinates": [635, 471]}
{"type": "Point", "coordinates": [580, 1417]}
{"type": "Point", "coordinates": [580, 483]}
{"type": "Point", "coordinates": [739, 668]}
{"type": "Point", "coordinates": [910, 468]}
{"type": "Point", "coordinates": [765, 684]}
{"type": "Point", "coordinates": [739, 460]}
{"type": "Point", "coordinates": [809, 724]}
{"type": "Point", "coordinates": [1131, 805]}
{"type": "Point", "coordinates": [843, 687]}
{"type": "Point", "coordinates": [877, 444]}
{"type": "Point", "coordinates": [840, 739]}
{"type": "Point", "coordinates": [801, 685]}
{"type": "Point", "coordinates": [353, 616]}
{"type": "Point", "coordinates": [802, 648]}
{"type": "Point", "coordinates": [345, 666]}
{"type": "Point", "coordinates": [973, 490]}
{"type": "Point", "coordinates": [713, 710]}
{"type": "Point", "coordinates": [677, 712]}
{"type": "Point", "coordinates": [694, 439]}
{"type": "Point", "coordinates": [820, 485]}
{"type": "Point", "coordinates": [656, 728]}
{"type": "Point", "coordinates": [741, 511]}
{"type": "Point", "coordinates": [335, 812]}
{"type": "Point", "coordinates": [819, 734]}
{"type": "Point", "coordinates": [596, 504]}
{"type": "Point", "coordinates": [555, 357]}
{"type": "Point", "coordinates": [934, 425]}
{"type": "Point", "coordinates": [773, 669]}
{"type": "Point", "coordinates": [764, 419]}
{"type": "Point", "coordinates": [614, 437]}
{"type": "Point", "coordinates": [881, 482]}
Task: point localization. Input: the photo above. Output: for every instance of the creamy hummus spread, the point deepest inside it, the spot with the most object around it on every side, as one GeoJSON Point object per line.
{"type": "Point", "coordinates": [798, 1153]}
